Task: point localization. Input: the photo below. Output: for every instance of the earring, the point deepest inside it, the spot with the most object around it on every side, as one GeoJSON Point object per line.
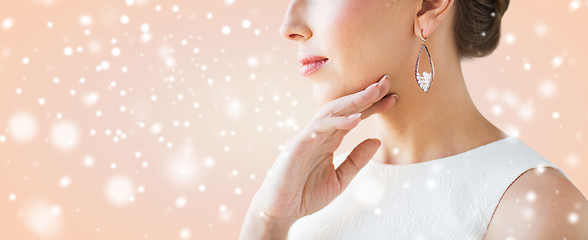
{"type": "Point", "coordinates": [424, 81]}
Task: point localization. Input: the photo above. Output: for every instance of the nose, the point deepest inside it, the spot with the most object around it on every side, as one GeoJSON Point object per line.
{"type": "Point", "coordinates": [294, 26]}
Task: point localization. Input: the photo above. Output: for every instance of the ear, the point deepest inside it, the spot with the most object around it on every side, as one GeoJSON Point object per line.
{"type": "Point", "coordinates": [430, 14]}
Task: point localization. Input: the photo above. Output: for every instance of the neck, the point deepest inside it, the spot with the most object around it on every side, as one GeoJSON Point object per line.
{"type": "Point", "coordinates": [427, 126]}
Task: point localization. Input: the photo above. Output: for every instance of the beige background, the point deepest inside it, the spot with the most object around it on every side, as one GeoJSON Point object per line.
{"type": "Point", "coordinates": [165, 142]}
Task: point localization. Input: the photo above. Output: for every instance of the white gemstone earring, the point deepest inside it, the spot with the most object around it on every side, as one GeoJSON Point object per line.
{"type": "Point", "coordinates": [424, 81]}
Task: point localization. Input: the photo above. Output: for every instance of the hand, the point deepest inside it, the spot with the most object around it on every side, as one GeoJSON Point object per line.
{"type": "Point", "coordinates": [303, 179]}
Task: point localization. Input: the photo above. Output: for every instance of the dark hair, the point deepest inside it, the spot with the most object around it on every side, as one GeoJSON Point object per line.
{"type": "Point", "coordinates": [477, 26]}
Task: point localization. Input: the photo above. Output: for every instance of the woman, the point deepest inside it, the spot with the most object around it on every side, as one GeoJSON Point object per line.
{"type": "Point", "coordinates": [438, 169]}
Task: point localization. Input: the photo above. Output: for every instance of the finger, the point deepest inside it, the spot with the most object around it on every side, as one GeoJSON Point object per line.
{"type": "Point", "coordinates": [357, 159]}
{"type": "Point", "coordinates": [322, 128]}
{"type": "Point", "coordinates": [378, 107]}
{"type": "Point", "coordinates": [344, 105]}
{"type": "Point", "coordinates": [329, 125]}
{"type": "Point", "coordinates": [384, 88]}
{"type": "Point", "coordinates": [381, 106]}
{"type": "Point", "coordinates": [333, 138]}
{"type": "Point", "coordinates": [361, 102]}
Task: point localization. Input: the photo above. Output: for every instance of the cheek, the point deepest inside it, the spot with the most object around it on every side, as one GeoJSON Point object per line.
{"type": "Point", "coordinates": [346, 37]}
{"type": "Point", "coordinates": [328, 91]}
{"type": "Point", "coordinates": [348, 25]}
{"type": "Point", "coordinates": [353, 40]}
{"type": "Point", "coordinates": [361, 39]}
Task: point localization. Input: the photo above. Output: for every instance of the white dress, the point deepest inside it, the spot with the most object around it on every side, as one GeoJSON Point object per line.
{"type": "Point", "coordinates": [447, 198]}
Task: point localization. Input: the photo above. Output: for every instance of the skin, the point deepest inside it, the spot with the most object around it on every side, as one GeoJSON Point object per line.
{"type": "Point", "coordinates": [365, 40]}
{"type": "Point", "coordinates": [386, 34]}
{"type": "Point", "coordinates": [540, 205]}
{"type": "Point", "coordinates": [303, 179]}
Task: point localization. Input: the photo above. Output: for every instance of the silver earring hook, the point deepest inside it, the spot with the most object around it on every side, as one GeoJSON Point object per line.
{"type": "Point", "coordinates": [422, 38]}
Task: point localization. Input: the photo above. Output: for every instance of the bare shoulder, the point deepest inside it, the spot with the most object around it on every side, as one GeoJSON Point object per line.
{"type": "Point", "coordinates": [540, 204]}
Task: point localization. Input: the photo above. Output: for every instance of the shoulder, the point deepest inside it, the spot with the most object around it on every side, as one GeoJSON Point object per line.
{"type": "Point", "coordinates": [540, 204]}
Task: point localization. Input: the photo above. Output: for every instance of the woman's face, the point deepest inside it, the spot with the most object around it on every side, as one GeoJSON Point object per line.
{"type": "Point", "coordinates": [362, 39]}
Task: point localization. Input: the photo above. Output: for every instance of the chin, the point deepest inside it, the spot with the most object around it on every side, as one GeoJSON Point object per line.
{"type": "Point", "coordinates": [325, 94]}
{"type": "Point", "coordinates": [321, 99]}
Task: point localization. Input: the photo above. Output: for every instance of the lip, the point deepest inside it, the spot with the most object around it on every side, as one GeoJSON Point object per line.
{"type": "Point", "coordinates": [311, 64]}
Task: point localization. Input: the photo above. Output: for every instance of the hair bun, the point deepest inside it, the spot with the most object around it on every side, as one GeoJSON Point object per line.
{"type": "Point", "coordinates": [477, 26]}
{"type": "Point", "coordinates": [502, 6]}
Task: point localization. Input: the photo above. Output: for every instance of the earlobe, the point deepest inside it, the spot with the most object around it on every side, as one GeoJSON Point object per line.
{"type": "Point", "coordinates": [424, 23]}
{"type": "Point", "coordinates": [423, 19]}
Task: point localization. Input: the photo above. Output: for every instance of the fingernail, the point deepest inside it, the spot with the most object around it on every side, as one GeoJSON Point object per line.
{"type": "Point", "coordinates": [355, 115]}
{"type": "Point", "coordinates": [395, 95]}
{"type": "Point", "coordinates": [381, 82]}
